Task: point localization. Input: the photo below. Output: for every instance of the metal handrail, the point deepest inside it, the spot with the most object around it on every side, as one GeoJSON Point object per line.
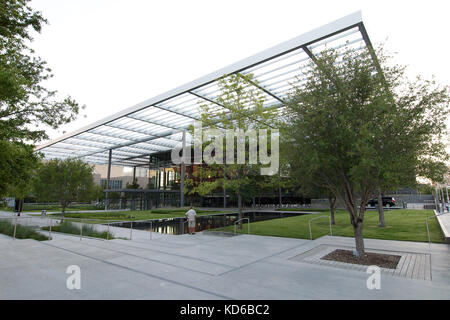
{"type": "Point", "coordinates": [131, 230]}
{"type": "Point", "coordinates": [151, 229]}
{"type": "Point", "coordinates": [107, 221]}
{"type": "Point", "coordinates": [80, 220]}
{"type": "Point", "coordinates": [86, 219]}
{"type": "Point", "coordinates": [309, 223]}
{"type": "Point", "coordinates": [431, 217]}
{"type": "Point", "coordinates": [50, 228]}
{"type": "Point", "coordinates": [248, 225]}
{"type": "Point", "coordinates": [15, 225]}
{"type": "Point", "coordinates": [182, 229]}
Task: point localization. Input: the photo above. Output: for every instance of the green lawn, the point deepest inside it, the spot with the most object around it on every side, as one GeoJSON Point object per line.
{"type": "Point", "coordinates": [133, 215]}
{"type": "Point", "coordinates": [407, 225]}
{"type": "Point", "coordinates": [303, 209]}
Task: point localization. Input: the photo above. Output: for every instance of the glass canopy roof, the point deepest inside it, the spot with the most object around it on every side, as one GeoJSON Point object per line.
{"type": "Point", "coordinates": [156, 125]}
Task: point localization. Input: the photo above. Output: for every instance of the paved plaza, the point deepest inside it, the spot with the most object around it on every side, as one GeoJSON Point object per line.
{"type": "Point", "coordinates": [208, 266]}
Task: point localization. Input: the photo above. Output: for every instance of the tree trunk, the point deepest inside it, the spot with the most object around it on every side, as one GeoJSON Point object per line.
{"type": "Point", "coordinates": [356, 221]}
{"type": "Point", "coordinates": [359, 239]}
{"type": "Point", "coordinates": [382, 223]}
{"type": "Point", "coordinates": [240, 209]}
{"type": "Point", "coordinates": [332, 201]}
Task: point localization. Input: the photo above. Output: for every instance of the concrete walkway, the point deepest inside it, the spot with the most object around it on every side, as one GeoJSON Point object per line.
{"type": "Point", "coordinates": [444, 223]}
{"type": "Point", "coordinates": [205, 266]}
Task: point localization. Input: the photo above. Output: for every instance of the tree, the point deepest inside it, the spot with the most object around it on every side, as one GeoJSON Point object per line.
{"type": "Point", "coordinates": [295, 170]}
{"type": "Point", "coordinates": [381, 220]}
{"type": "Point", "coordinates": [358, 126]}
{"type": "Point", "coordinates": [17, 161]}
{"type": "Point", "coordinates": [64, 181]}
{"type": "Point", "coordinates": [25, 104]}
{"type": "Point", "coordinates": [241, 108]}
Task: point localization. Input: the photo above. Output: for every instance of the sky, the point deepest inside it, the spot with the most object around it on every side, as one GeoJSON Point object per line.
{"type": "Point", "coordinates": [112, 54]}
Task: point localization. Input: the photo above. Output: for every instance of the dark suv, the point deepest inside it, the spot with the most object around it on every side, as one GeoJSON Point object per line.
{"type": "Point", "coordinates": [387, 201]}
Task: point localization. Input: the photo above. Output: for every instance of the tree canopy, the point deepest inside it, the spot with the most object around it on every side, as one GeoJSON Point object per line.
{"type": "Point", "coordinates": [359, 125]}
{"type": "Point", "coordinates": [64, 181]}
{"type": "Point", "coordinates": [242, 108]}
{"type": "Point", "coordinates": [26, 105]}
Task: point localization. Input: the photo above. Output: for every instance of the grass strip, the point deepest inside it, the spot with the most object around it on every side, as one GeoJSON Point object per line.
{"type": "Point", "coordinates": [22, 232]}
{"type": "Point", "coordinates": [88, 231]}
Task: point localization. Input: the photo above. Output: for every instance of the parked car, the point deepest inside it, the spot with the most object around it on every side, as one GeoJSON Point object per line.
{"type": "Point", "coordinates": [387, 201]}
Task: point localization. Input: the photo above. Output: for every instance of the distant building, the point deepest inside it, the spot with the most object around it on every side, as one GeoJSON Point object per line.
{"type": "Point", "coordinates": [120, 176]}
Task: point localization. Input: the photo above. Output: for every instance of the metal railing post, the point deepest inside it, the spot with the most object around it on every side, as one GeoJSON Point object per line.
{"type": "Point", "coordinates": [15, 225]}
{"type": "Point", "coordinates": [331, 231]}
{"type": "Point", "coordinates": [248, 224]}
{"type": "Point", "coordinates": [309, 224]}
{"type": "Point", "coordinates": [50, 228]}
{"type": "Point", "coordinates": [131, 230]}
{"type": "Point", "coordinates": [310, 232]}
{"type": "Point", "coordinates": [151, 229]}
{"type": "Point", "coordinates": [182, 226]}
{"type": "Point", "coordinates": [107, 232]}
{"type": "Point", "coordinates": [224, 221]}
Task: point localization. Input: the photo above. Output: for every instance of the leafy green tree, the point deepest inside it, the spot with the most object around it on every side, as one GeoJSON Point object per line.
{"type": "Point", "coordinates": [17, 161]}
{"type": "Point", "coordinates": [242, 108]}
{"type": "Point", "coordinates": [64, 181]}
{"type": "Point", "coordinates": [26, 106]}
{"type": "Point", "coordinates": [357, 126]}
{"type": "Point", "coordinates": [24, 101]}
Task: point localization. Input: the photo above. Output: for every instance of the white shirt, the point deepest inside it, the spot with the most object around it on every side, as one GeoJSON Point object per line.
{"type": "Point", "coordinates": [191, 214]}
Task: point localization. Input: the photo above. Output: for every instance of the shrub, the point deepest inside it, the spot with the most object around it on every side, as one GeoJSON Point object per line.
{"type": "Point", "coordinates": [88, 230]}
{"type": "Point", "coordinates": [22, 232]}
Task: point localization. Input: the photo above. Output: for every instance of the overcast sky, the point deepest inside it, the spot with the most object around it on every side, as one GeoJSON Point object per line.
{"type": "Point", "coordinates": [110, 55]}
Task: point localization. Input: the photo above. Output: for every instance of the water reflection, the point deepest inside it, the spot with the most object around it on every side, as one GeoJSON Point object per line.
{"type": "Point", "coordinates": [177, 226]}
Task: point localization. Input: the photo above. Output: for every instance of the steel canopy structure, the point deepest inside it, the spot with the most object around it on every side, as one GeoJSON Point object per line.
{"type": "Point", "coordinates": [156, 125]}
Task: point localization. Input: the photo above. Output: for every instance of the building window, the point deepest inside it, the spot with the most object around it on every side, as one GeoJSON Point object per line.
{"type": "Point", "coordinates": [114, 184]}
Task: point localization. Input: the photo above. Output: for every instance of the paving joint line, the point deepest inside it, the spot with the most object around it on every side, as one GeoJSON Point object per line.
{"type": "Point", "coordinates": [263, 258]}
{"type": "Point", "coordinates": [148, 259]}
{"type": "Point", "coordinates": [141, 272]}
{"type": "Point", "coordinates": [173, 254]}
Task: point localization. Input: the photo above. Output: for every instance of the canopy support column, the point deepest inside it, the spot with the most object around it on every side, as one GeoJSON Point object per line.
{"type": "Point", "coordinates": [182, 169]}
{"type": "Point", "coordinates": [224, 197]}
{"type": "Point", "coordinates": [108, 179]}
